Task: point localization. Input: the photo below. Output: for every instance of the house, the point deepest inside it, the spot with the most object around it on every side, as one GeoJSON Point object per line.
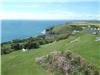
{"type": "Point", "coordinates": [98, 30]}
{"type": "Point", "coordinates": [92, 30]}
{"type": "Point", "coordinates": [97, 38]}
{"type": "Point", "coordinates": [75, 31]}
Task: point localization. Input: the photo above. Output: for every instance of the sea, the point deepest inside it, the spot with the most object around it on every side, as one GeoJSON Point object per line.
{"type": "Point", "coordinates": [19, 29]}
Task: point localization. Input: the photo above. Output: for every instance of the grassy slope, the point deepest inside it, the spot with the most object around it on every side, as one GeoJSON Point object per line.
{"type": "Point", "coordinates": [23, 63]}
{"type": "Point", "coordinates": [96, 23]}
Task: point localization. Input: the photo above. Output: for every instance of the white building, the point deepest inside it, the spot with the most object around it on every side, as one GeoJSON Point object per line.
{"type": "Point", "coordinates": [24, 50]}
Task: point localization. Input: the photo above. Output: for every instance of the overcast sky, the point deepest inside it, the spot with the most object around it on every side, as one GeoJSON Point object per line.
{"type": "Point", "coordinates": [49, 9]}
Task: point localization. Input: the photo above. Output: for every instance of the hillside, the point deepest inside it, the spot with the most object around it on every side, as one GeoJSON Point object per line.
{"type": "Point", "coordinates": [23, 63]}
{"type": "Point", "coordinates": [85, 23]}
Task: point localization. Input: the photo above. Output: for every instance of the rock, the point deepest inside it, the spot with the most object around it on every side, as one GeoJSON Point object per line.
{"type": "Point", "coordinates": [97, 39]}
{"type": "Point", "coordinates": [24, 50]}
{"type": "Point", "coordinates": [66, 63]}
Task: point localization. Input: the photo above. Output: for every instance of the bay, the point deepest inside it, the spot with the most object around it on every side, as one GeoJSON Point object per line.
{"type": "Point", "coordinates": [19, 29]}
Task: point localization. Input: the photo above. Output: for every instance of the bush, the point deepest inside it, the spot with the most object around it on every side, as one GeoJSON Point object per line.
{"type": "Point", "coordinates": [42, 42]}
{"type": "Point", "coordinates": [31, 45]}
{"type": "Point", "coordinates": [65, 63]}
{"type": "Point", "coordinates": [16, 46]}
{"type": "Point", "coordinates": [5, 51]}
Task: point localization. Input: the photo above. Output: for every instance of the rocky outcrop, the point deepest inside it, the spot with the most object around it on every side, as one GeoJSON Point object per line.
{"type": "Point", "coordinates": [66, 63]}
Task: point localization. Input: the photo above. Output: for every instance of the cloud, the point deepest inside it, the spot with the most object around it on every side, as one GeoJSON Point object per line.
{"type": "Point", "coordinates": [48, 16]}
{"type": "Point", "coordinates": [49, 9]}
{"type": "Point", "coordinates": [47, 1]}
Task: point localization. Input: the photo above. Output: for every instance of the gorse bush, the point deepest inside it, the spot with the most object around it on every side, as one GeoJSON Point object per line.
{"type": "Point", "coordinates": [66, 63]}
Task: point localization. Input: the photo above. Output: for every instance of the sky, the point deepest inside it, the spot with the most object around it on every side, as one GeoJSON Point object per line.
{"type": "Point", "coordinates": [50, 9]}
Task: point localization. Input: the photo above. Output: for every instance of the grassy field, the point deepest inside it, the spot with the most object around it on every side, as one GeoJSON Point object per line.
{"type": "Point", "coordinates": [23, 63]}
{"type": "Point", "coordinates": [96, 23]}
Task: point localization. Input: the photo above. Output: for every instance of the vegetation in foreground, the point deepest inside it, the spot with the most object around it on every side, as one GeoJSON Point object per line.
{"type": "Point", "coordinates": [23, 63]}
{"type": "Point", "coordinates": [65, 63]}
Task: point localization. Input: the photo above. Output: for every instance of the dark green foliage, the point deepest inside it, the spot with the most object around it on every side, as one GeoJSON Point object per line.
{"type": "Point", "coordinates": [5, 51]}
{"type": "Point", "coordinates": [42, 42]}
{"type": "Point", "coordinates": [9, 42]}
{"type": "Point", "coordinates": [41, 36]}
{"type": "Point", "coordinates": [36, 45]}
{"type": "Point", "coordinates": [75, 27]}
{"type": "Point", "coordinates": [16, 41]}
{"type": "Point", "coordinates": [31, 45]}
{"type": "Point", "coordinates": [16, 46]}
{"type": "Point", "coordinates": [49, 30]}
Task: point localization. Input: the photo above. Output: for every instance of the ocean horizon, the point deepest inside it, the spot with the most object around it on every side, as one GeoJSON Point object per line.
{"type": "Point", "coordinates": [20, 29]}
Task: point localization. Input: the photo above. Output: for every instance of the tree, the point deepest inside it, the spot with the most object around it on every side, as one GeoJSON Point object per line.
{"type": "Point", "coordinates": [16, 46]}
{"type": "Point", "coordinates": [30, 45]}
{"type": "Point", "coordinates": [5, 50]}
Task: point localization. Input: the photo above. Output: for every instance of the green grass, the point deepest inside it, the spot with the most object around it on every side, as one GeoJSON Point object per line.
{"type": "Point", "coordinates": [61, 29]}
{"type": "Point", "coordinates": [23, 63]}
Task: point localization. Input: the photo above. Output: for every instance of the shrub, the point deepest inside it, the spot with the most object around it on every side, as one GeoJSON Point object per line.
{"type": "Point", "coordinates": [42, 42]}
{"type": "Point", "coordinates": [16, 46]}
{"type": "Point", "coordinates": [65, 63]}
{"type": "Point", "coordinates": [5, 51]}
{"type": "Point", "coordinates": [31, 45]}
